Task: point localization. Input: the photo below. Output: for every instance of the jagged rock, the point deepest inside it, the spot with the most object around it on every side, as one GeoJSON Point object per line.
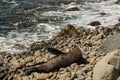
{"type": "Point", "coordinates": [117, 2]}
{"type": "Point", "coordinates": [94, 23]}
{"type": "Point", "coordinates": [108, 68]}
{"type": "Point", "coordinates": [111, 43]}
{"type": "Point", "coordinates": [68, 30]}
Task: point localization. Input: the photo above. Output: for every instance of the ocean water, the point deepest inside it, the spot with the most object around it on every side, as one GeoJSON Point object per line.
{"type": "Point", "coordinates": [23, 22]}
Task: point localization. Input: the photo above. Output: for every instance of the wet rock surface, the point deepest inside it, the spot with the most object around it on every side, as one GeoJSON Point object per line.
{"type": "Point", "coordinates": [13, 66]}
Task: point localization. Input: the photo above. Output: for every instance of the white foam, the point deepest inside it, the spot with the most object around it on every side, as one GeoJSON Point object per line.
{"type": "Point", "coordinates": [46, 27]}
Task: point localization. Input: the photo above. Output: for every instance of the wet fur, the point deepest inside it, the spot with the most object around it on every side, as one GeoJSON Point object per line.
{"type": "Point", "coordinates": [61, 60]}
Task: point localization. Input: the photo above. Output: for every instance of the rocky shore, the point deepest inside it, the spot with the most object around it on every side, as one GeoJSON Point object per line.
{"type": "Point", "coordinates": [100, 47]}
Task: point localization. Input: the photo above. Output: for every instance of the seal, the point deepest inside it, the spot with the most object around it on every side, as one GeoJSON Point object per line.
{"type": "Point", "coordinates": [61, 60]}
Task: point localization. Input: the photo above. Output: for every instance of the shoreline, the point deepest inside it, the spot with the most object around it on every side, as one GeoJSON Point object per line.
{"type": "Point", "coordinates": [13, 65]}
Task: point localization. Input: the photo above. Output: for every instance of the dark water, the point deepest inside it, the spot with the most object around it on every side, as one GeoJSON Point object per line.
{"type": "Point", "coordinates": [24, 15]}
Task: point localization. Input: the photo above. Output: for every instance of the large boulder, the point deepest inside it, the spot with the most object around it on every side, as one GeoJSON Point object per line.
{"type": "Point", "coordinates": [111, 43]}
{"type": "Point", "coordinates": [68, 30]}
{"type": "Point", "coordinates": [108, 68]}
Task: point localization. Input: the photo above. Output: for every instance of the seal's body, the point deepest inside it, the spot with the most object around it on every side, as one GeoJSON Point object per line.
{"type": "Point", "coordinates": [61, 60]}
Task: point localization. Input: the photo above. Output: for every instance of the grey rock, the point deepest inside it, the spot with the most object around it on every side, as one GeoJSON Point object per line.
{"type": "Point", "coordinates": [111, 43]}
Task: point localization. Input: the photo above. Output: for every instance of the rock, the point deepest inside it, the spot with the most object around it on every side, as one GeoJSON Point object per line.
{"type": "Point", "coordinates": [102, 13]}
{"type": "Point", "coordinates": [92, 54]}
{"type": "Point", "coordinates": [117, 26]}
{"type": "Point", "coordinates": [25, 78]}
{"type": "Point", "coordinates": [119, 19]}
{"type": "Point", "coordinates": [117, 2]}
{"type": "Point", "coordinates": [3, 53]}
{"type": "Point", "coordinates": [37, 53]}
{"type": "Point", "coordinates": [109, 66]}
{"type": "Point", "coordinates": [110, 44]}
{"type": "Point", "coordinates": [95, 23]}
{"type": "Point", "coordinates": [68, 78]}
{"type": "Point", "coordinates": [38, 45]}
{"type": "Point", "coordinates": [15, 63]}
{"type": "Point", "coordinates": [81, 77]}
{"type": "Point", "coordinates": [118, 78]}
{"type": "Point", "coordinates": [92, 60]}
{"type": "Point", "coordinates": [19, 78]}
{"type": "Point", "coordinates": [53, 76]}
{"type": "Point", "coordinates": [74, 8]}
{"type": "Point", "coordinates": [90, 73]}
{"type": "Point", "coordinates": [64, 75]}
{"type": "Point", "coordinates": [42, 76]}
{"type": "Point", "coordinates": [68, 30]}
{"type": "Point", "coordinates": [89, 37]}
{"type": "Point", "coordinates": [29, 59]}
{"type": "Point", "coordinates": [67, 50]}
{"type": "Point", "coordinates": [88, 78]}
{"type": "Point", "coordinates": [2, 75]}
{"type": "Point", "coordinates": [87, 68]}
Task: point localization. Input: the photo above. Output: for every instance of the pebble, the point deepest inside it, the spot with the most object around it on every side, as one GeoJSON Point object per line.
{"type": "Point", "coordinates": [53, 76]}
{"type": "Point", "coordinates": [37, 53]}
{"type": "Point", "coordinates": [42, 76]}
{"type": "Point", "coordinates": [90, 73]}
{"type": "Point", "coordinates": [92, 54]}
{"type": "Point", "coordinates": [29, 59]}
{"type": "Point", "coordinates": [88, 78]}
{"type": "Point", "coordinates": [81, 77]}
{"type": "Point", "coordinates": [68, 78]}
{"type": "Point", "coordinates": [64, 75]}
{"type": "Point", "coordinates": [19, 78]}
{"type": "Point", "coordinates": [15, 63]}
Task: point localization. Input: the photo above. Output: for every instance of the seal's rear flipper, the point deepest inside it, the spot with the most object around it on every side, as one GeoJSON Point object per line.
{"type": "Point", "coordinates": [55, 51]}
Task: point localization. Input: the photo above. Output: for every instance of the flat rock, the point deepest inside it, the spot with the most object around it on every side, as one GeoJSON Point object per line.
{"type": "Point", "coordinates": [111, 43]}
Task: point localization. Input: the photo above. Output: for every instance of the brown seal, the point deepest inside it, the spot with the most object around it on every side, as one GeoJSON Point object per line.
{"type": "Point", "coordinates": [61, 60]}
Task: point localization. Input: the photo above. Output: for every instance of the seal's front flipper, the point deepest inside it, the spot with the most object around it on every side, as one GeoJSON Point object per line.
{"type": "Point", "coordinates": [55, 51]}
